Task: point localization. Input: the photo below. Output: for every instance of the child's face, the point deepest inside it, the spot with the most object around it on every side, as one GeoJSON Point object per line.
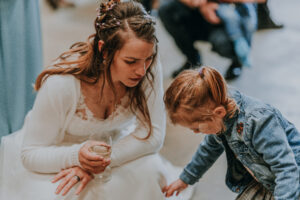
{"type": "Point", "coordinates": [211, 125]}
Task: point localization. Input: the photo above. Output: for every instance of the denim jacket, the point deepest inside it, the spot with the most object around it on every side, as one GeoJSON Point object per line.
{"type": "Point", "coordinates": [259, 140]}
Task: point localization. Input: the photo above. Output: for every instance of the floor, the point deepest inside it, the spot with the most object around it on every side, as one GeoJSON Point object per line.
{"type": "Point", "coordinates": [274, 76]}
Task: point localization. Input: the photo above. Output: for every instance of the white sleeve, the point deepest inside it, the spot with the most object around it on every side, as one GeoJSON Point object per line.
{"type": "Point", "coordinates": [43, 128]}
{"type": "Point", "coordinates": [130, 148]}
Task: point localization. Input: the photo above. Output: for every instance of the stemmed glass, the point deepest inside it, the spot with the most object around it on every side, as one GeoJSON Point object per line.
{"type": "Point", "coordinates": [103, 151]}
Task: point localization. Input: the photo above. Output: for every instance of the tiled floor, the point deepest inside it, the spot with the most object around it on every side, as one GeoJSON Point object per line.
{"type": "Point", "coordinates": [273, 78]}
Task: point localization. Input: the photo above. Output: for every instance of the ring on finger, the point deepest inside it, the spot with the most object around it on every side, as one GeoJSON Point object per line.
{"type": "Point", "coordinates": [77, 178]}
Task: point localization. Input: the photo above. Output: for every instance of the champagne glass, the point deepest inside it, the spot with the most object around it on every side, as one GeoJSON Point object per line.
{"type": "Point", "coordinates": [105, 152]}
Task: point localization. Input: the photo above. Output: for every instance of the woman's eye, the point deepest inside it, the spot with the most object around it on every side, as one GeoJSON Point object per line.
{"type": "Point", "coordinates": [130, 62]}
{"type": "Point", "coordinates": [150, 58]}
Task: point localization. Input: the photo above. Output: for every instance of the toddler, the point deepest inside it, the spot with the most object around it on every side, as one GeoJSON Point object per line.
{"type": "Point", "coordinates": [262, 147]}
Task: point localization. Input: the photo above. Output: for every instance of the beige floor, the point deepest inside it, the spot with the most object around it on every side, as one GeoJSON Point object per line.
{"type": "Point", "coordinates": [274, 76]}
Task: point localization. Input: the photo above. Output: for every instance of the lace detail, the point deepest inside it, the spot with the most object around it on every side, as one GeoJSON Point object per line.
{"type": "Point", "coordinates": [85, 124]}
{"type": "Point", "coordinates": [85, 113]}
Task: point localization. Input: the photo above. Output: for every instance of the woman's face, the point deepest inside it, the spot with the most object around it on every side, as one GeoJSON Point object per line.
{"type": "Point", "coordinates": [132, 61]}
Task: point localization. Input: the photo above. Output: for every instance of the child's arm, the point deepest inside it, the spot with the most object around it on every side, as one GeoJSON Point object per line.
{"type": "Point", "coordinates": [177, 186]}
{"type": "Point", "coordinates": [270, 140]}
{"type": "Point", "coordinates": [207, 153]}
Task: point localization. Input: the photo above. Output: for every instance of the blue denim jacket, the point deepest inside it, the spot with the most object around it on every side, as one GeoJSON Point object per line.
{"type": "Point", "coordinates": [259, 138]}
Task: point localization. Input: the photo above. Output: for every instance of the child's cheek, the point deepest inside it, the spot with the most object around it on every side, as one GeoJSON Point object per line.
{"type": "Point", "coordinates": [203, 128]}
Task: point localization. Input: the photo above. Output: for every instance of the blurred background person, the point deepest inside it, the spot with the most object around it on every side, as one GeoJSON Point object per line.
{"type": "Point", "coordinates": [191, 20]}
{"type": "Point", "coordinates": [20, 60]}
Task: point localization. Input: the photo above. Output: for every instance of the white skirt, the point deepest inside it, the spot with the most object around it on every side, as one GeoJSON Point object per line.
{"type": "Point", "coordinates": [141, 179]}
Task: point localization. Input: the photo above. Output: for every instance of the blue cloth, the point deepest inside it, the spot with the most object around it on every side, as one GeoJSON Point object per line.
{"type": "Point", "coordinates": [257, 140]}
{"type": "Point", "coordinates": [240, 20]}
{"type": "Point", "coordinates": [20, 60]}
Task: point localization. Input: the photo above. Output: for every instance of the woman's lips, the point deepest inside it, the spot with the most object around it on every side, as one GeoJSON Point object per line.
{"type": "Point", "coordinates": [136, 79]}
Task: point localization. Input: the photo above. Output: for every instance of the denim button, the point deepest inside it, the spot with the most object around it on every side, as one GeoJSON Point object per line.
{"type": "Point", "coordinates": [237, 189]}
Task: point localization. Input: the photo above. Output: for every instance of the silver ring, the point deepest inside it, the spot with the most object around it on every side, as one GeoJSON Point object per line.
{"type": "Point", "coordinates": [77, 178]}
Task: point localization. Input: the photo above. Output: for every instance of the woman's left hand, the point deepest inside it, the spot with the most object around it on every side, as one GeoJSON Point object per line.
{"type": "Point", "coordinates": [70, 177]}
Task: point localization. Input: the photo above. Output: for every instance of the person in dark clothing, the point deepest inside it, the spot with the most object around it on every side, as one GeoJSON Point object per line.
{"type": "Point", "coordinates": [188, 22]}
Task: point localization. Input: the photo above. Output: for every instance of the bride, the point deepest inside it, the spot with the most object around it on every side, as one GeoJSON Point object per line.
{"type": "Point", "coordinates": [109, 85]}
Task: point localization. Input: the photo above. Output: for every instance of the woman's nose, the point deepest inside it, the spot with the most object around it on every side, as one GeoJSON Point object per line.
{"type": "Point", "coordinates": [141, 71]}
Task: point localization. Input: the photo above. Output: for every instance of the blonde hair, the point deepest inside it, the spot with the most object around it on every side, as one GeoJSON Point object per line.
{"type": "Point", "coordinates": [193, 89]}
{"type": "Point", "coordinates": [114, 19]}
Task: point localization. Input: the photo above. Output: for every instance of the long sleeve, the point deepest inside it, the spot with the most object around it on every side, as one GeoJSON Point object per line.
{"type": "Point", "coordinates": [270, 140]}
{"type": "Point", "coordinates": [207, 153]}
{"type": "Point", "coordinates": [130, 147]}
{"type": "Point", "coordinates": [44, 127]}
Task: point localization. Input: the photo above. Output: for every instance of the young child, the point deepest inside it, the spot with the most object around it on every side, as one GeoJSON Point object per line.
{"type": "Point", "coordinates": [262, 147]}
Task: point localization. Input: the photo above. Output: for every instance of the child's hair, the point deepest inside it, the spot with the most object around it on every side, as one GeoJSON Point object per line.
{"type": "Point", "coordinates": [113, 25]}
{"type": "Point", "coordinates": [193, 89]}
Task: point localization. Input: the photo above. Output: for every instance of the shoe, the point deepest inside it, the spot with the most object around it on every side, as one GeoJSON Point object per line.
{"type": "Point", "coordinates": [264, 18]}
{"type": "Point", "coordinates": [270, 25]}
{"type": "Point", "coordinates": [234, 71]}
{"type": "Point", "coordinates": [187, 65]}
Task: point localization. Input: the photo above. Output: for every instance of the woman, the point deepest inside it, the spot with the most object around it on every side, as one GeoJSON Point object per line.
{"type": "Point", "coordinates": [100, 87]}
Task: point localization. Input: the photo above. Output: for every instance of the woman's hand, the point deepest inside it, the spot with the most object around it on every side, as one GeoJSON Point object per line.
{"type": "Point", "coordinates": [70, 177]}
{"type": "Point", "coordinates": [90, 161]}
{"type": "Point", "coordinates": [177, 185]}
{"type": "Point", "coordinates": [208, 11]}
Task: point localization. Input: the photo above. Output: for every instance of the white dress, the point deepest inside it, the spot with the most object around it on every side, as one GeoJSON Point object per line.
{"type": "Point", "coordinates": [138, 179]}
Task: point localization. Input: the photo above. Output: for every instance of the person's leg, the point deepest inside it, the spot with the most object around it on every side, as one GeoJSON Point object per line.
{"type": "Point", "coordinates": [222, 45]}
{"type": "Point", "coordinates": [233, 24]}
{"type": "Point", "coordinates": [183, 25]}
{"type": "Point", "coordinates": [231, 20]}
{"type": "Point", "coordinates": [248, 12]}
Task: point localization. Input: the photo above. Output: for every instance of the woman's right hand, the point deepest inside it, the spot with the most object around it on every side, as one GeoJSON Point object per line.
{"type": "Point", "coordinates": [90, 161]}
{"type": "Point", "coordinates": [176, 186]}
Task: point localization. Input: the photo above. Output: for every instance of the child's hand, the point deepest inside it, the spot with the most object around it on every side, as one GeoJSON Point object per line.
{"type": "Point", "coordinates": [177, 185]}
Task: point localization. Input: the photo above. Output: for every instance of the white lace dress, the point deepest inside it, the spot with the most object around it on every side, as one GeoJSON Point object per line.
{"type": "Point", "coordinates": [140, 179]}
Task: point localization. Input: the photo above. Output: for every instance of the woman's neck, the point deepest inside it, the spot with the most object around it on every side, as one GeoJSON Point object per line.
{"type": "Point", "coordinates": [104, 87]}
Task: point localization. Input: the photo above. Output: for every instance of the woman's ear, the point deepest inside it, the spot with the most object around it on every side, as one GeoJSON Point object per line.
{"type": "Point", "coordinates": [220, 111]}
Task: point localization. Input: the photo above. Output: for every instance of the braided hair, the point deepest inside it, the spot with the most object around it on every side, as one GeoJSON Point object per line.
{"type": "Point", "coordinates": [86, 62]}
